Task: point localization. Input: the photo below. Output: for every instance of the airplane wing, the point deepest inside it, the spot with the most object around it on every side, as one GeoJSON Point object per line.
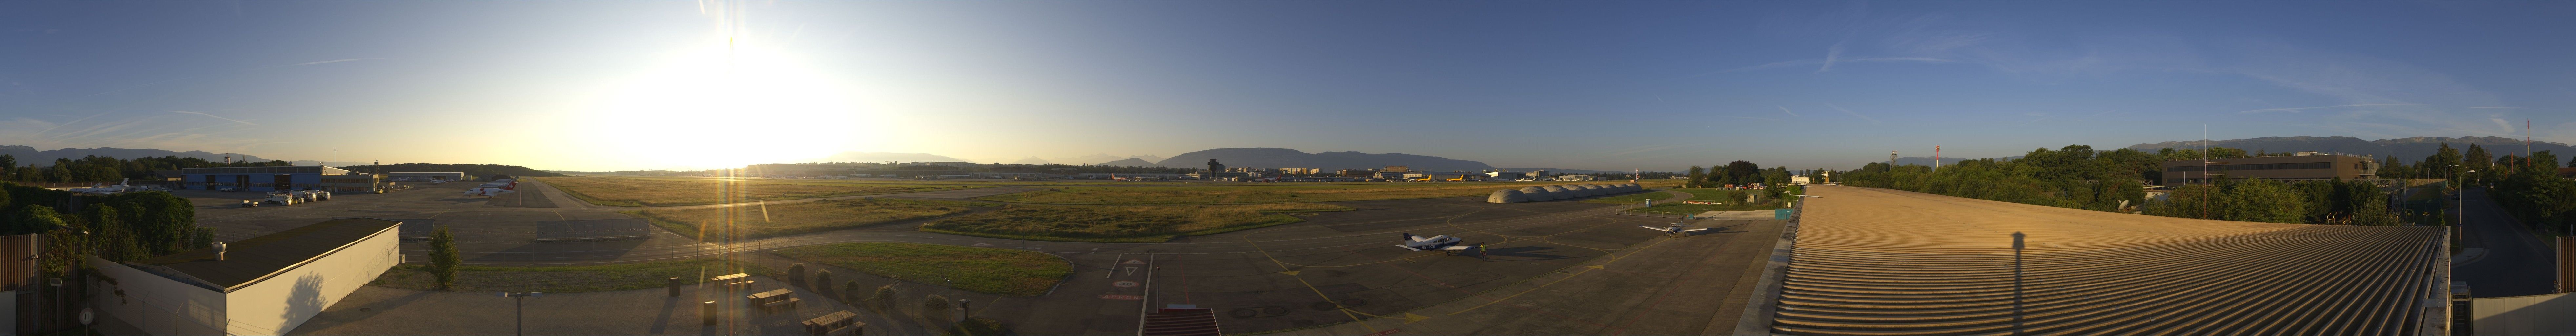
{"type": "Point", "coordinates": [1454, 248]}
{"type": "Point", "coordinates": [1657, 228]}
{"type": "Point", "coordinates": [1695, 230]}
{"type": "Point", "coordinates": [1408, 247]}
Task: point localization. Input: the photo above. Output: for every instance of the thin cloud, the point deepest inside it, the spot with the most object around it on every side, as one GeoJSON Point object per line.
{"type": "Point", "coordinates": [1753, 118]}
{"type": "Point", "coordinates": [213, 116]}
{"type": "Point", "coordinates": [1785, 109]}
{"type": "Point", "coordinates": [319, 62]}
{"type": "Point", "coordinates": [1872, 121]}
{"type": "Point", "coordinates": [334, 61]}
{"type": "Point", "coordinates": [2296, 109]}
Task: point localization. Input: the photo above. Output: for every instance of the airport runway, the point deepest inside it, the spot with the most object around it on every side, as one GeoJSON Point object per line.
{"type": "Point", "coordinates": [1335, 268]}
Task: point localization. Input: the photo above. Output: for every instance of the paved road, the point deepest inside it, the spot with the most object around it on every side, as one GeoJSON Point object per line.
{"type": "Point", "coordinates": [2516, 263]}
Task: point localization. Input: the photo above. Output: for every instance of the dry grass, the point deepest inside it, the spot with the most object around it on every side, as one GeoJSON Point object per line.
{"type": "Point", "coordinates": [802, 217]}
{"type": "Point", "coordinates": [664, 191]}
{"type": "Point", "coordinates": [1256, 194]}
{"type": "Point", "coordinates": [1137, 224]}
{"type": "Point", "coordinates": [983, 270]}
{"type": "Point", "coordinates": [564, 279]}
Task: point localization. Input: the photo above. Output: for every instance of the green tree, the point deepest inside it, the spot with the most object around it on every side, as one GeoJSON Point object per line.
{"type": "Point", "coordinates": [2477, 158]}
{"type": "Point", "coordinates": [37, 219]}
{"type": "Point", "coordinates": [1741, 172]}
{"type": "Point", "coordinates": [2444, 163]}
{"type": "Point", "coordinates": [796, 274]}
{"type": "Point", "coordinates": [823, 282]}
{"type": "Point", "coordinates": [442, 257]}
{"type": "Point", "coordinates": [1698, 177]}
{"type": "Point", "coordinates": [2544, 162]}
{"type": "Point", "coordinates": [2260, 201]}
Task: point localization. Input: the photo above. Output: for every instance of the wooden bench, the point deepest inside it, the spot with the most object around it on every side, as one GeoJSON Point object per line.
{"type": "Point", "coordinates": [775, 305]}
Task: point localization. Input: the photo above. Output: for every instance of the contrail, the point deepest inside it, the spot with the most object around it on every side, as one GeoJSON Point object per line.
{"type": "Point", "coordinates": [213, 116]}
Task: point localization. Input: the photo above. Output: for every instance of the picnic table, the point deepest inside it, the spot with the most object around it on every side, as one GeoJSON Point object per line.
{"type": "Point", "coordinates": [774, 299]}
{"type": "Point", "coordinates": [734, 281]}
{"type": "Point", "coordinates": [833, 324]}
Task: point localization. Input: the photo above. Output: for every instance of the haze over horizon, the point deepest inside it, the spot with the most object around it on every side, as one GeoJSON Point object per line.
{"type": "Point", "coordinates": [600, 86]}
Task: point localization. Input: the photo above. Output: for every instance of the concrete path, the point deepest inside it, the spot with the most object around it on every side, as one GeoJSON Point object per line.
{"type": "Point", "coordinates": [386, 311]}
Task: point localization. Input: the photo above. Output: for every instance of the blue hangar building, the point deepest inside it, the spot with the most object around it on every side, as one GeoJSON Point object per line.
{"type": "Point", "coordinates": [281, 178]}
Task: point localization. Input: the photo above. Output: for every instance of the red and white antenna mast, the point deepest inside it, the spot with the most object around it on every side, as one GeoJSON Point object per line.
{"type": "Point", "coordinates": [1936, 158]}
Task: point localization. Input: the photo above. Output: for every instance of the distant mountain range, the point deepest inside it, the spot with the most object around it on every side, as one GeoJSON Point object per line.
{"type": "Point", "coordinates": [1099, 159]}
{"type": "Point", "coordinates": [1558, 170]}
{"type": "Point", "coordinates": [29, 155]}
{"type": "Point", "coordinates": [2408, 149]}
{"type": "Point", "coordinates": [884, 156]}
{"type": "Point", "coordinates": [1290, 158]}
{"type": "Point", "coordinates": [1130, 162]}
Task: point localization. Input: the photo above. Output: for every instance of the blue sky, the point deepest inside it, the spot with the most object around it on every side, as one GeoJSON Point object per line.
{"type": "Point", "coordinates": [1589, 85]}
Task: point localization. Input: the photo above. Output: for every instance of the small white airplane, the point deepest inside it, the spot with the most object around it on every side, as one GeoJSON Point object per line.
{"type": "Point", "coordinates": [1432, 243]}
{"type": "Point", "coordinates": [118, 188]}
{"type": "Point", "coordinates": [1676, 228]}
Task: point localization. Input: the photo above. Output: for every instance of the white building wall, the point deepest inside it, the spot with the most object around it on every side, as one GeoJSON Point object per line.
{"type": "Point", "coordinates": [276, 305]}
{"type": "Point", "coordinates": [2545, 314]}
{"type": "Point", "coordinates": [156, 305]}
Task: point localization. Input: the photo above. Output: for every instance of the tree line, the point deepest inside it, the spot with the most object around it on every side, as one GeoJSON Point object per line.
{"type": "Point", "coordinates": [121, 227]}
{"type": "Point", "coordinates": [2077, 176]}
{"type": "Point", "coordinates": [95, 168]}
{"type": "Point", "coordinates": [1739, 173]}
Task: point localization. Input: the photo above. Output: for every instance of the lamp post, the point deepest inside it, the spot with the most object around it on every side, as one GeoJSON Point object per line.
{"type": "Point", "coordinates": [2462, 201]}
{"type": "Point", "coordinates": [520, 326]}
{"type": "Point", "coordinates": [2205, 182]}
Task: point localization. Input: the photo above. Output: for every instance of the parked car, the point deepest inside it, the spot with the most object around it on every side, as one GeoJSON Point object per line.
{"type": "Point", "coordinates": [249, 204]}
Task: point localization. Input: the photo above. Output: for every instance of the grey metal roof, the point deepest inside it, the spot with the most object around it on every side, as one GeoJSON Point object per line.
{"type": "Point", "coordinates": [251, 260]}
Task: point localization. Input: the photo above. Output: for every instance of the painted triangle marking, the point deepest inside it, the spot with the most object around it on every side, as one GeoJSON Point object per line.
{"type": "Point", "coordinates": [1134, 262]}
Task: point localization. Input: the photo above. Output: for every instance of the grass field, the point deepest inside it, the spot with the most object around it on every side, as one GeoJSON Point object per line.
{"type": "Point", "coordinates": [802, 217]}
{"type": "Point", "coordinates": [983, 270]}
{"type": "Point", "coordinates": [1632, 198]}
{"type": "Point", "coordinates": [1135, 224]}
{"type": "Point", "coordinates": [1266, 193]}
{"type": "Point", "coordinates": [672, 191]}
{"type": "Point", "coordinates": [563, 279]}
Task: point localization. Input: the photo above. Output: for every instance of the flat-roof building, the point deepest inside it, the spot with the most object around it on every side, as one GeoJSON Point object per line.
{"type": "Point", "coordinates": [264, 285]}
{"type": "Point", "coordinates": [2294, 167]}
{"type": "Point", "coordinates": [258, 178]}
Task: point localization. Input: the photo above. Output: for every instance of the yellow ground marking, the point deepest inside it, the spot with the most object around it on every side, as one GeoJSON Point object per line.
{"type": "Point", "coordinates": [1328, 298]}
{"type": "Point", "coordinates": [764, 211]}
{"type": "Point", "coordinates": [1586, 269]}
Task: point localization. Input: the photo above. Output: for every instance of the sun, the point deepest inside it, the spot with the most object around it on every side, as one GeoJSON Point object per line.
{"type": "Point", "coordinates": [721, 102]}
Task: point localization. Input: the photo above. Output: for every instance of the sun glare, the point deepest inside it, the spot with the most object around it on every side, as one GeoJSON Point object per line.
{"type": "Point", "coordinates": [723, 103]}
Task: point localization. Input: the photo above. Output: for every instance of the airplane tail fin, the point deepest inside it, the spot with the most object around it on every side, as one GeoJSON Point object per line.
{"type": "Point", "coordinates": [1408, 237]}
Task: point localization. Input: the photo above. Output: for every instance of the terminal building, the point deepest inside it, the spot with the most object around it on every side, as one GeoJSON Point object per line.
{"type": "Point", "coordinates": [2294, 167]}
{"type": "Point", "coordinates": [280, 178]}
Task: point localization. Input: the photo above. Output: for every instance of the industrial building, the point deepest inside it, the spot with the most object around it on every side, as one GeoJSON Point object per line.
{"type": "Point", "coordinates": [426, 176]}
{"type": "Point", "coordinates": [264, 285]}
{"type": "Point", "coordinates": [280, 178]}
{"type": "Point", "coordinates": [2293, 167]}
{"type": "Point", "coordinates": [1866, 261]}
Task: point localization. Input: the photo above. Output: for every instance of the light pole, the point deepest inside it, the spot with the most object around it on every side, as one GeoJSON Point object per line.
{"type": "Point", "coordinates": [2205, 182]}
{"type": "Point", "coordinates": [2462, 200]}
{"type": "Point", "coordinates": [520, 326]}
